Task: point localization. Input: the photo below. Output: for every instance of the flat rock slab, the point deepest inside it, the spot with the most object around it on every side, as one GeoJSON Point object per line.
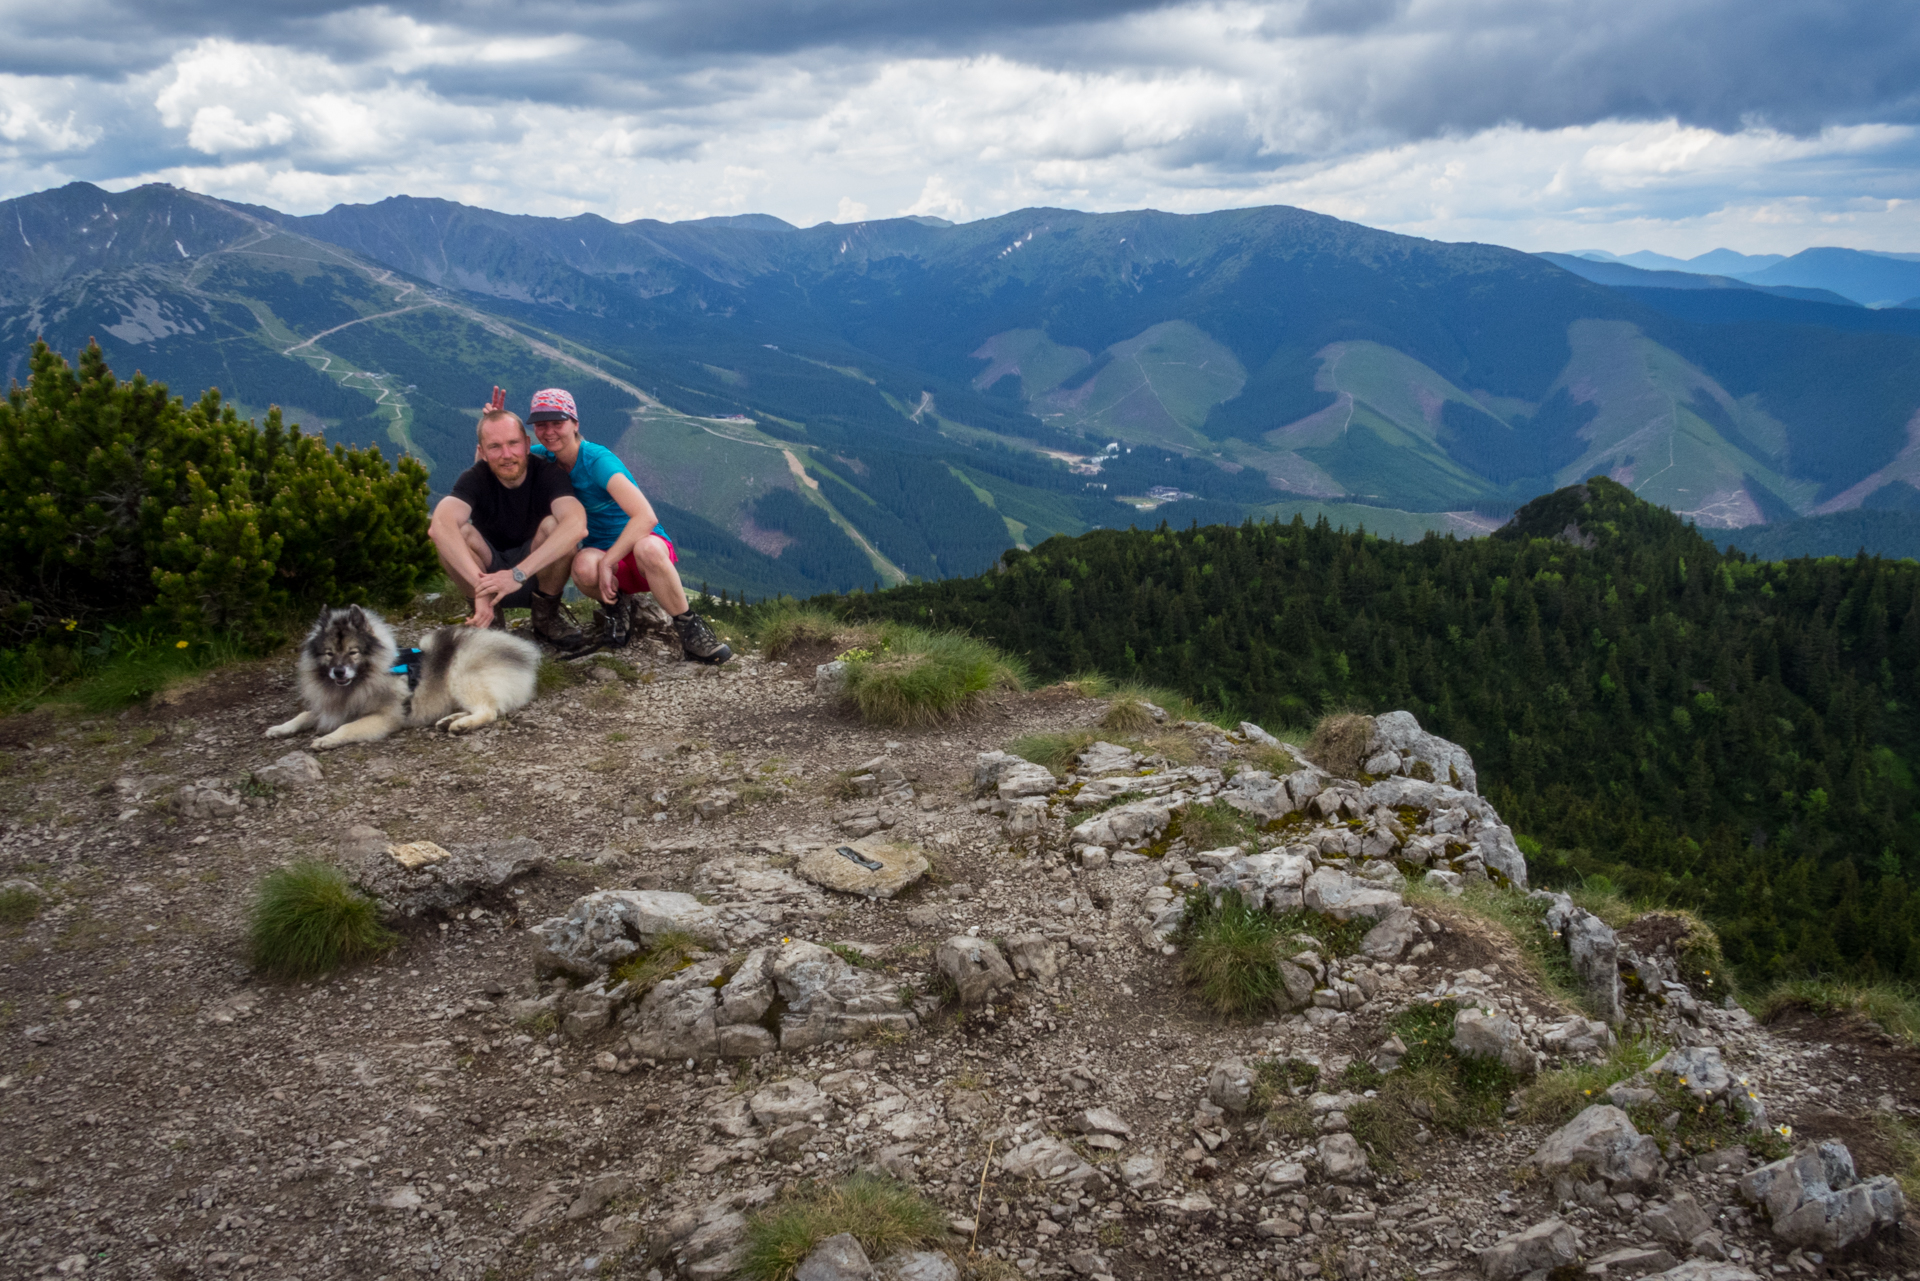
{"type": "Point", "coordinates": [900, 866]}
{"type": "Point", "coordinates": [420, 877]}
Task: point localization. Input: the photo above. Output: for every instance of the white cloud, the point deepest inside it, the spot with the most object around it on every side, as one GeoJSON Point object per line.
{"type": "Point", "coordinates": [1359, 108]}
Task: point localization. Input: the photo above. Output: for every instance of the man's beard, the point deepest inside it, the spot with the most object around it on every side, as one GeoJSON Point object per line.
{"type": "Point", "coordinates": [508, 472]}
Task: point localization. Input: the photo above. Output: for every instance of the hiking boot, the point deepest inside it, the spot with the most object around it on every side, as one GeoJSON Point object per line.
{"type": "Point", "coordinates": [616, 620]}
{"type": "Point", "coordinates": [553, 624]}
{"type": "Point", "coordinates": [698, 640]}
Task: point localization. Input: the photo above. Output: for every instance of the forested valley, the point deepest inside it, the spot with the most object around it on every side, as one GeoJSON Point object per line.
{"type": "Point", "coordinates": [1700, 728]}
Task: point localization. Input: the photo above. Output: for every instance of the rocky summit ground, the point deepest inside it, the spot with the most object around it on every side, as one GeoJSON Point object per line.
{"type": "Point", "coordinates": [462, 1108]}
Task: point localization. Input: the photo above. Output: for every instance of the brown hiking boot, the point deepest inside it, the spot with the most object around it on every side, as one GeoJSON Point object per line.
{"type": "Point", "coordinates": [698, 640]}
{"type": "Point", "coordinates": [553, 624]}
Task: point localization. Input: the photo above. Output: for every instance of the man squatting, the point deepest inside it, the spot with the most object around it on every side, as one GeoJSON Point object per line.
{"type": "Point", "coordinates": [522, 516]}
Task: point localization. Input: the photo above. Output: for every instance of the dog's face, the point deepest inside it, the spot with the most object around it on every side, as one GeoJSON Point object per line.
{"type": "Point", "coordinates": [342, 645]}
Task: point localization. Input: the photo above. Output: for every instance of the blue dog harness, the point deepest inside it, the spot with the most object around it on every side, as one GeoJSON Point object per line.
{"type": "Point", "coordinates": [410, 660]}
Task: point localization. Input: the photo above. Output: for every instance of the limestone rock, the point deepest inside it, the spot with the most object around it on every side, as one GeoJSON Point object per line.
{"type": "Point", "coordinates": [678, 1018]}
{"type": "Point", "coordinates": [1397, 931]}
{"type": "Point", "coordinates": [1594, 950]}
{"type": "Point", "coordinates": [900, 866]}
{"type": "Point", "coordinates": [830, 1000]}
{"type": "Point", "coordinates": [1480, 1034]}
{"type": "Point", "coordinates": [605, 927]}
{"type": "Point", "coordinates": [789, 1102]}
{"type": "Point", "coordinates": [838, 1258]}
{"type": "Point", "coordinates": [1098, 1121]}
{"type": "Point", "coordinates": [1578, 1036]}
{"type": "Point", "coordinates": [1106, 758]}
{"type": "Point", "coordinates": [918, 1265]}
{"type": "Point", "coordinates": [1633, 1261]}
{"type": "Point", "coordinates": [1230, 1086]}
{"type": "Point", "coordinates": [1143, 1173]}
{"type": "Point", "coordinates": [1260, 794]}
{"type": "Point", "coordinates": [1540, 1248]}
{"type": "Point", "coordinates": [1815, 1199]}
{"type": "Point", "coordinates": [294, 770]}
{"type": "Point", "coordinates": [1334, 893]}
{"type": "Point", "coordinates": [1275, 882]}
{"type": "Point", "coordinates": [975, 968]}
{"type": "Point", "coordinates": [1680, 1222]}
{"type": "Point", "coordinates": [830, 679]}
{"type": "Point", "coordinates": [1048, 1159]}
{"type": "Point", "coordinates": [1447, 762]}
{"type": "Point", "coordinates": [987, 767]}
{"type": "Point", "coordinates": [207, 799]}
{"type": "Point", "coordinates": [470, 870]}
{"type": "Point", "coordinates": [1342, 1160]}
{"type": "Point", "coordinates": [1032, 955]}
{"type": "Point", "coordinates": [1131, 824]}
{"type": "Point", "coordinates": [1705, 1270]}
{"type": "Point", "coordinates": [1019, 779]}
{"type": "Point", "coordinates": [1602, 1139]}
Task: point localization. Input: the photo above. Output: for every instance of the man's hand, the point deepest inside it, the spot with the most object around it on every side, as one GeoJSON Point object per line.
{"type": "Point", "coordinates": [609, 580]}
{"type": "Point", "coordinates": [496, 585]}
{"type": "Point", "coordinates": [482, 612]}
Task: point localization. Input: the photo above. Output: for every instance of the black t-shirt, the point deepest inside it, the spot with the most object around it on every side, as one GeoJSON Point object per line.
{"type": "Point", "coordinates": [507, 518]}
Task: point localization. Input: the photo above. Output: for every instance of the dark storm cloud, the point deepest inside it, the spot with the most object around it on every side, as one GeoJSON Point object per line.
{"type": "Point", "coordinates": [1404, 68]}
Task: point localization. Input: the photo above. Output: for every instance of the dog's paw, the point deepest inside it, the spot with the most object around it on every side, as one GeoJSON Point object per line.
{"type": "Point", "coordinates": [326, 741]}
{"type": "Point", "coordinates": [279, 731]}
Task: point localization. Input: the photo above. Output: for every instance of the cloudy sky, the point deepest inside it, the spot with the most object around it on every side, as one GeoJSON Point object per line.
{"type": "Point", "coordinates": [1673, 125]}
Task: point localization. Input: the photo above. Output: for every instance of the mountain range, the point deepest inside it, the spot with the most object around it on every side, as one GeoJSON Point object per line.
{"type": "Point", "coordinates": [1866, 277]}
{"type": "Point", "coordinates": [826, 407]}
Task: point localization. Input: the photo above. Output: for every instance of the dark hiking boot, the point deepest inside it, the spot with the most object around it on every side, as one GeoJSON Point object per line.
{"type": "Point", "coordinates": [698, 640]}
{"type": "Point", "coordinates": [553, 624]}
{"type": "Point", "coordinates": [616, 620]}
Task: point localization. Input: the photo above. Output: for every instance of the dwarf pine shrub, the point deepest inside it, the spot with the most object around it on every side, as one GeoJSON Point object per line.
{"type": "Point", "coordinates": [121, 503]}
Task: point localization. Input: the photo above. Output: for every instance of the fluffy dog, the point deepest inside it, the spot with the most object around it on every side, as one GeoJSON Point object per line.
{"type": "Point", "coordinates": [355, 684]}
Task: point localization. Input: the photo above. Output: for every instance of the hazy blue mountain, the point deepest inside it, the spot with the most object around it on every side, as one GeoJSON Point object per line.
{"type": "Point", "coordinates": [1619, 274]}
{"type": "Point", "coordinates": [827, 406]}
{"type": "Point", "coordinates": [1875, 280]}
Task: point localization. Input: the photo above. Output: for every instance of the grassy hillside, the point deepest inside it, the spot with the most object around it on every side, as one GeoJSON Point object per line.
{"type": "Point", "coordinates": [1702, 729]}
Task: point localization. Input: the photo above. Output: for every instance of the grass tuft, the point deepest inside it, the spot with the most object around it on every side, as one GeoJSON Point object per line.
{"type": "Point", "coordinates": [1557, 1097]}
{"type": "Point", "coordinates": [1232, 955]}
{"type": "Point", "coordinates": [1903, 1143]}
{"type": "Point", "coordinates": [1085, 685]}
{"type": "Point", "coordinates": [1055, 751]}
{"type": "Point", "coordinates": [917, 677]}
{"type": "Point", "coordinates": [17, 905]}
{"type": "Point", "coordinates": [786, 626]}
{"type": "Point", "coordinates": [1894, 1006]}
{"type": "Point", "coordinates": [1128, 712]}
{"type": "Point", "coordinates": [884, 1215]}
{"type": "Point", "coordinates": [307, 920]}
{"type": "Point", "coordinates": [1217, 824]}
{"type": "Point", "coordinates": [671, 952]}
{"type": "Point", "coordinates": [1519, 918]}
{"type": "Point", "coordinates": [1339, 743]}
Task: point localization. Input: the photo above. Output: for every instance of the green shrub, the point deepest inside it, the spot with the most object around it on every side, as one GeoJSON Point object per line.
{"type": "Point", "coordinates": [915, 677]}
{"type": "Point", "coordinates": [1433, 1085]}
{"type": "Point", "coordinates": [119, 502]}
{"type": "Point", "coordinates": [307, 920]}
{"type": "Point", "coordinates": [885, 1216]}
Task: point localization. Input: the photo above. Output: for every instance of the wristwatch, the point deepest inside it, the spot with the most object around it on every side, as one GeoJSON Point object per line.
{"type": "Point", "coordinates": [519, 575]}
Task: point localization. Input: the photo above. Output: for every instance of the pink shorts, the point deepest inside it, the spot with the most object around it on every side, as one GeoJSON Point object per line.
{"type": "Point", "coordinates": [626, 572]}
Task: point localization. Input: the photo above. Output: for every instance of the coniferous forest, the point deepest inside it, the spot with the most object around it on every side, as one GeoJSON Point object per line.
{"type": "Point", "coordinates": [1701, 728]}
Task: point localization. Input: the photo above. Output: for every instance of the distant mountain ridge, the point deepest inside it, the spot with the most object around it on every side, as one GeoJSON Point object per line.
{"type": "Point", "coordinates": [1867, 277]}
{"type": "Point", "coordinates": [839, 404]}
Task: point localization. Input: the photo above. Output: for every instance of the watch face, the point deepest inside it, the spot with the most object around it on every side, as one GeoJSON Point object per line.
{"type": "Point", "coordinates": [519, 576]}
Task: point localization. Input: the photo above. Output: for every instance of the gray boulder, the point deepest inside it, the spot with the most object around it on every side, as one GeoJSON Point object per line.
{"type": "Point", "coordinates": [1397, 931]}
{"type": "Point", "coordinates": [987, 767]}
{"type": "Point", "coordinates": [1230, 1086]}
{"type": "Point", "coordinates": [1131, 824]}
{"type": "Point", "coordinates": [1603, 1140]}
{"type": "Point", "coordinates": [1680, 1222]}
{"type": "Point", "coordinates": [294, 770]}
{"type": "Point", "coordinates": [207, 799]}
{"type": "Point", "coordinates": [838, 1258]}
{"type": "Point", "coordinates": [1594, 950]}
{"type": "Point", "coordinates": [918, 1265]}
{"type": "Point", "coordinates": [830, 1000]}
{"type": "Point", "coordinates": [1258, 793]}
{"type": "Point", "coordinates": [1345, 898]}
{"type": "Point", "coordinates": [1049, 1160]}
{"type": "Point", "coordinates": [1499, 852]}
{"type": "Point", "coordinates": [975, 968]}
{"type": "Point", "coordinates": [1815, 1199]}
{"type": "Point", "coordinates": [1482, 1034]}
{"type": "Point", "coordinates": [605, 927]}
{"type": "Point", "coordinates": [1705, 1270]}
{"type": "Point", "coordinates": [1273, 881]}
{"type": "Point", "coordinates": [830, 679]}
{"type": "Point", "coordinates": [1106, 758]}
{"type": "Point", "coordinates": [1449, 763]}
{"type": "Point", "coordinates": [1019, 779]}
{"type": "Point", "coordinates": [1342, 1160]}
{"type": "Point", "coordinates": [1578, 1036]}
{"type": "Point", "coordinates": [468, 871]}
{"type": "Point", "coordinates": [1031, 954]}
{"type": "Point", "coordinates": [678, 1019]}
{"type": "Point", "coordinates": [1542, 1248]}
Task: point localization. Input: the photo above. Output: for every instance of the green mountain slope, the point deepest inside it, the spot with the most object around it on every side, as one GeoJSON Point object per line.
{"type": "Point", "coordinates": [1265, 359]}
